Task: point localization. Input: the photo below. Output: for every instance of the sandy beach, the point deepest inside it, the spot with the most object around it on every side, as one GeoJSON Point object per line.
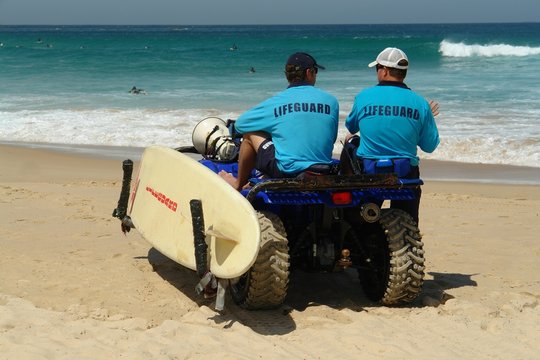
{"type": "Point", "coordinates": [72, 286]}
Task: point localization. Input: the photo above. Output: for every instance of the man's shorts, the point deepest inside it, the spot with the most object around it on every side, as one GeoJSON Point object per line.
{"type": "Point", "coordinates": [266, 160]}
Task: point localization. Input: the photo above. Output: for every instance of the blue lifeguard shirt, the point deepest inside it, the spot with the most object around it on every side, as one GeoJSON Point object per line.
{"type": "Point", "coordinates": [392, 120]}
{"type": "Point", "coordinates": [302, 121]}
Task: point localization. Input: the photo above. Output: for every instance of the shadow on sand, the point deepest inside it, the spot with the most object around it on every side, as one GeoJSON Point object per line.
{"type": "Point", "coordinates": [338, 291]}
{"type": "Point", "coordinates": [435, 288]}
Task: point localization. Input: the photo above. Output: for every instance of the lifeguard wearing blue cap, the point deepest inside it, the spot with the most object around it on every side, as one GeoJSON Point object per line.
{"type": "Point", "coordinates": [290, 132]}
{"type": "Point", "coordinates": [303, 60]}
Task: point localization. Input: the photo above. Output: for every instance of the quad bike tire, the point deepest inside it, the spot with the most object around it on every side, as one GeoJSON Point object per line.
{"type": "Point", "coordinates": [264, 286]}
{"type": "Point", "coordinates": [395, 259]}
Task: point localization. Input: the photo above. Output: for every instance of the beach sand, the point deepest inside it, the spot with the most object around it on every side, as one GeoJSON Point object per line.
{"type": "Point", "coordinates": [72, 286]}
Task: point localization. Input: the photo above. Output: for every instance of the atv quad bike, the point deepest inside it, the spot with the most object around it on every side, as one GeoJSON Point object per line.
{"type": "Point", "coordinates": [321, 221]}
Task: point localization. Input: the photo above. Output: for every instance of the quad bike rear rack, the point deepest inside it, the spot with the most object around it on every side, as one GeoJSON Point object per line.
{"type": "Point", "coordinates": [318, 183]}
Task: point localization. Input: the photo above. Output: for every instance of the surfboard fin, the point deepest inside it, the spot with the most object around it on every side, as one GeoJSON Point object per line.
{"type": "Point", "coordinates": [219, 235]}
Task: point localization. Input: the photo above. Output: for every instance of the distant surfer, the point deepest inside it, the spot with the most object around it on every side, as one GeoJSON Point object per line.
{"type": "Point", "coordinates": [234, 47]}
{"type": "Point", "coordinates": [137, 91]}
{"type": "Point", "coordinates": [252, 70]}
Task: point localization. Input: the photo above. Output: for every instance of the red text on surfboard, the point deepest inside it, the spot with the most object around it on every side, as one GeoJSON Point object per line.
{"type": "Point", "coordinates": [162, 198]}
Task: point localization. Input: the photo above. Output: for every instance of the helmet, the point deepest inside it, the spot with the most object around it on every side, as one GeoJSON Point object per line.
{"type": "Point", "coordinates": [211, 139]}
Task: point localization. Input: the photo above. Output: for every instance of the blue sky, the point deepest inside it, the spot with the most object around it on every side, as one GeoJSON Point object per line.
{"type": "Point", "coordinates": [143, 12]}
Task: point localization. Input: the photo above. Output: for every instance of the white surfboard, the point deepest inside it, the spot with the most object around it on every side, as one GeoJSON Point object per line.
{"type": "Point", "coordinates": [160, 211]}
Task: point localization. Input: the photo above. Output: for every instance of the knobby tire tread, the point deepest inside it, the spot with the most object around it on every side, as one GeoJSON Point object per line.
{"type": "Point", "coordinates": [265, 284]}
{"type": "Point", "coordinates": [406, 273]}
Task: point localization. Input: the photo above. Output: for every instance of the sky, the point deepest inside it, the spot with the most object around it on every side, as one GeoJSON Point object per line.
{"type": "Point", "coordinates": [232, 12]}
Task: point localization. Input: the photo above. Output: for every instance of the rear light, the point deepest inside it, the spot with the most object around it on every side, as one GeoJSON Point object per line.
{"type": "Point", "coordinates": [341, 198]}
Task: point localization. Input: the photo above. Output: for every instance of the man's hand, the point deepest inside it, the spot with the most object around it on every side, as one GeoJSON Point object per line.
{"type": "Point", "coordinates": [434, 107]}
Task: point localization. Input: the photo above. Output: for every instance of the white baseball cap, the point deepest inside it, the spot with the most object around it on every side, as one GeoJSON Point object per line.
{"type": "Point", "coordinates": [391, 57]}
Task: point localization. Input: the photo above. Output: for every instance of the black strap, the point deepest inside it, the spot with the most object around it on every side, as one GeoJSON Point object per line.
{"type": "Point", "coordinates": [216, 128]}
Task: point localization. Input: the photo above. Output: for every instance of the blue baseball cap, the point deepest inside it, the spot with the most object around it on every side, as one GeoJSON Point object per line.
{"type": "Point", "coordinates": [303, 61]}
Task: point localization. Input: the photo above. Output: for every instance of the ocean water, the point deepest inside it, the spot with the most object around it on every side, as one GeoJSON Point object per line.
{"type": "Point", "coordinates": [70, 84]}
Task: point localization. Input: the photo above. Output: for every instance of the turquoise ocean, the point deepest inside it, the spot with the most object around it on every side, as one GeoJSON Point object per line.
{"type": "Point", "coordinates": [70, 84]}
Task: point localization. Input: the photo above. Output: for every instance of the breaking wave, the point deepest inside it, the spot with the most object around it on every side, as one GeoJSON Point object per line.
{"type": "Point", "coordinates": [452, 49]}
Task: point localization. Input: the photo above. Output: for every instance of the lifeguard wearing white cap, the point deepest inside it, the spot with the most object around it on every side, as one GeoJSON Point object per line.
{"type": "Point", "coordinates": [393, 58]}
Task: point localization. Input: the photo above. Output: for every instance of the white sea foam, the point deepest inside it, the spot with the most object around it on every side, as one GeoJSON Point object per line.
{"type": "Point", "coordinates": [145, 127]}
{"type": "Point", "coordinates": [452, 49]}
{"type": "Point", "coordinates": [114, 127]}
{"type": "Point", "coordinates": [488, 150]}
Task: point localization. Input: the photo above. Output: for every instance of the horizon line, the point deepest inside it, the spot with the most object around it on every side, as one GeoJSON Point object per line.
{"type": "Point", "coordinates": [291, 24]}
